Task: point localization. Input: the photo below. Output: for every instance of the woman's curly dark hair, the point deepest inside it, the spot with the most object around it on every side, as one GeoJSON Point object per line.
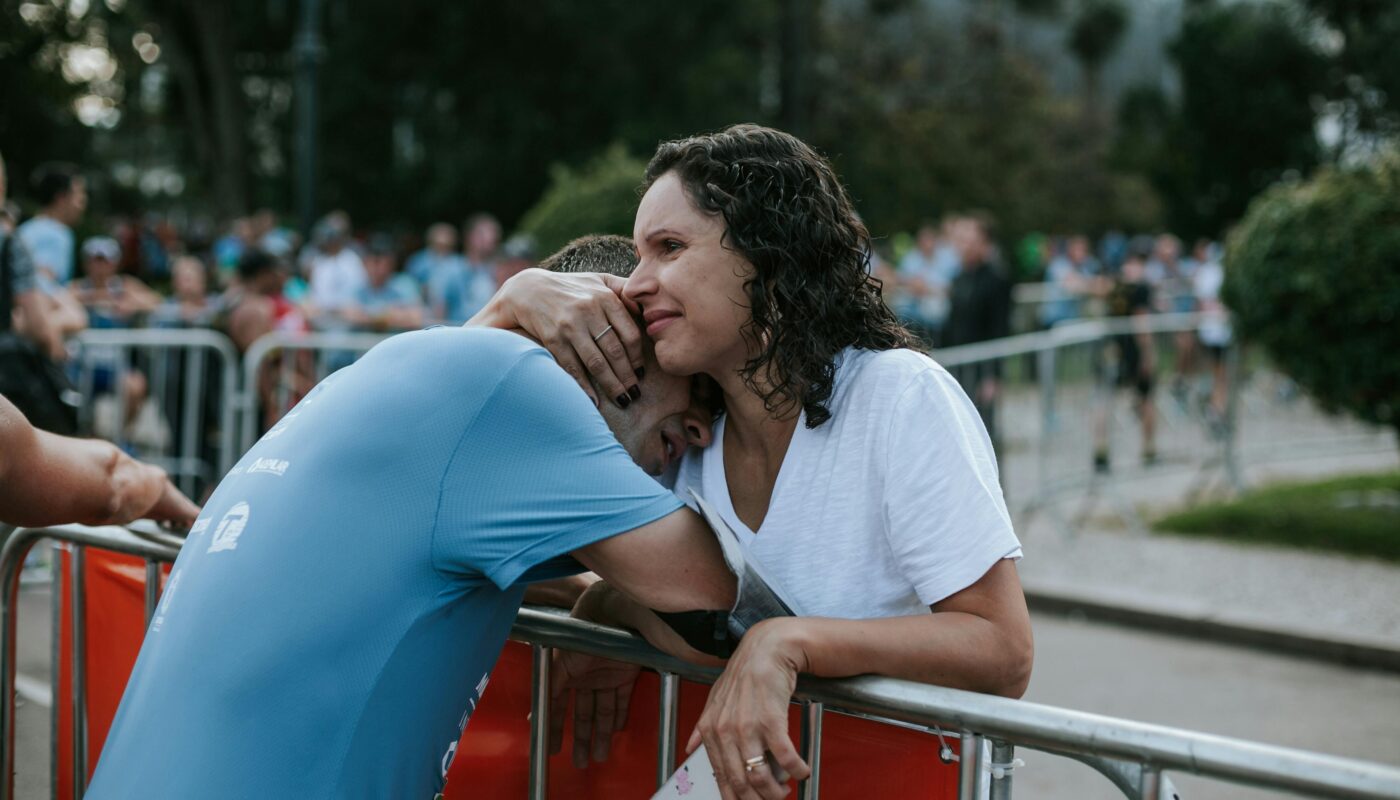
{"type": "Point", "coordinates": [786, 212]}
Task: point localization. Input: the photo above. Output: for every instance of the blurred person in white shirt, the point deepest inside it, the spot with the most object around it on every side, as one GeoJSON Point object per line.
{"type": "Point", "coordinates": [1214, 330]}
{"type": "Point", "coordinates": [337, 273]}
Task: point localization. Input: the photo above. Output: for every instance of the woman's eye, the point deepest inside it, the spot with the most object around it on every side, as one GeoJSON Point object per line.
{"type": "Point", "coordinates": [671, 245]}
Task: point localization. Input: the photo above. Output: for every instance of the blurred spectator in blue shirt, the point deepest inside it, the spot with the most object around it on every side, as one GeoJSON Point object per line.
{"type": "Point", "coordinates": [390, 300]}
{"type": "Point", "coordinates": [1071, 277]}
{"type": "Point", "coordinates": [230, 248]}
{"type": "Point", "coordinates": [483, 234]}
{"type": "Point", "coordinates": [1170, 276]}
{"type": "Point", "coordinates": [459, 290]}
{"type": "Point", "coordinates": [62, 195]}
{"type": "Point", "coordinates": [439, 255]}
{"type": "Point", "coordinates": [925, 274]}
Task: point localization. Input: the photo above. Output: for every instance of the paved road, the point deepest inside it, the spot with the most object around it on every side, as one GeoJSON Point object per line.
{"type": "Point", "coordinates": [1089, 667]}
{"type": "Point", "coordinates": [1205, 687]}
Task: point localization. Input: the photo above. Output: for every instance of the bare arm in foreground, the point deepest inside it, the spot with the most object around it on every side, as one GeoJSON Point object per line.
{"type": "Point", "coordinates": [46, 479]}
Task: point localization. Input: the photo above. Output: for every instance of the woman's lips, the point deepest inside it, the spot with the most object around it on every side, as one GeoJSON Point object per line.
{"type": "Point", "coordinates": [660, 320]}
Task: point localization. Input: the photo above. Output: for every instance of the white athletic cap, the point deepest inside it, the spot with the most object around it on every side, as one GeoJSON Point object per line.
{"type": "Point", "coordinates": [104, 246]}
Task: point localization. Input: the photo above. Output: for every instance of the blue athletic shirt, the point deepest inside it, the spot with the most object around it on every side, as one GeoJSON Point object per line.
{"type": "Point", "coordinates": [334, 615]}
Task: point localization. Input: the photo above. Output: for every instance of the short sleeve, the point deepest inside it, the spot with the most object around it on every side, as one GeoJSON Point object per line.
{"type": "Point", "coordinates": [945, 517]}
{"type": "Point", "coordinates": [405, 290]}
{"type": "Point", "coordinates": [46, 247]}
{"type": "Point", "coordinates": [21, 265]}
{"type": "Point", "coordinates": [537, 475]}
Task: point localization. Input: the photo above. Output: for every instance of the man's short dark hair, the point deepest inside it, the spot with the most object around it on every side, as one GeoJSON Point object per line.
{"type": "Point", "coordinates": [255, 263]}
{"type": "Point", "coordinates": [53, 180]}
{"type": "Point", "coordinates": [609, 253]}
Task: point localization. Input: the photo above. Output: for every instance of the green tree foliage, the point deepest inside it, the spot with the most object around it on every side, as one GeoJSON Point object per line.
{"type": "Point", "coordinates": [37, 123]}
{"type": "Point", "coordinates": [601, 197]}
{"type": "Point", "coordinates": [1249, 76]}
{"type": "Point", "coordinates": [921, 123]}
{"type": "Point", "coordinates": [1097, 29]}
{"type": "Point", "coordinates": [1365, 74]}
{"type": "Point", "coordinates": [1313, 274]}
{"type": "Point", "coordinates": [434, 108]}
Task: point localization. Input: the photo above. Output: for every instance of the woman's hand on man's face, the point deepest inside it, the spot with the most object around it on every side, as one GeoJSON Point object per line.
{"type": "Point", "coordinates": [747, 714]}
{"type": "Point", "coordinates": [582, 320]}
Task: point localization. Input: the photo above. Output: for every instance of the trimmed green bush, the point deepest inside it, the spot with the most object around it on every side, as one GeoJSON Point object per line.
{"type": "Point", "coordinates": [1312, 273]}
{"type": "Point", "coordinates": [600, 197]}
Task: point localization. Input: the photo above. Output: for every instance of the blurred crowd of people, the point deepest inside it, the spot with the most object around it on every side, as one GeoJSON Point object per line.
{"type": "Point", "coordinates": [1076, 276]}
{"type": "Point", "coordinates": [252, 278]}
{"type": "Point", "coordinates": [951, 282]}
{"type": "Point", "coordinates": [955, 286]}
{"type": "Point", "coordinates": [258, 276]}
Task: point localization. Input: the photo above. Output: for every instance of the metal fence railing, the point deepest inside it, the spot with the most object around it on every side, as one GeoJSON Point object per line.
{"type": "Point", "coordinates": [1133, 755]}
{"type": "Point", "coordinates": [1062, 408]}
{"type": "Point", "coordinates": [166, 394]}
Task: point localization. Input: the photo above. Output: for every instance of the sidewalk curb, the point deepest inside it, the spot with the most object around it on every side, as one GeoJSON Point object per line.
{"type": "Point", "coordinates": [1370, 653]}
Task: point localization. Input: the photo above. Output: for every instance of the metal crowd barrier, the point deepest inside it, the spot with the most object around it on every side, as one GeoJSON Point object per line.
{"type": "Point", "coordinates": [1133, 755]}
{"type": "Point", "coordinates": [191, 377]}
{"type": "Point", "coordinates": [1057, 397]}
{"type": "Point", "coordinates": [1054, 384]}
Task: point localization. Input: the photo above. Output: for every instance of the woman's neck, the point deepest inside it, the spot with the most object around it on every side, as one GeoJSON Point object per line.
{"type": "Point", "coordinates": [749, 425]}
{"type": "Point", "coordinates": [755, 445]}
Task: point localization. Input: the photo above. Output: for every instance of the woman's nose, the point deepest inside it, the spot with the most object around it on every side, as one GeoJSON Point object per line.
{"type": "Point", "coordinates": [641, 283]}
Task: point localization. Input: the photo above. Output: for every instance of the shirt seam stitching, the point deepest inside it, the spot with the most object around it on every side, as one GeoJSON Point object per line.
{"type": "Point", "coordinates": [447, 469]}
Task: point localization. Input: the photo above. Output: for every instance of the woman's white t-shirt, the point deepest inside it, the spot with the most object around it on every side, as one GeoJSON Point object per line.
{"type": "Point", "coordinates": [889, 507]}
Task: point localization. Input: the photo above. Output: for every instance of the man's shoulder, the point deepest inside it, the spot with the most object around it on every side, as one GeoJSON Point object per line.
{"type": "Point", "coordinates": [478, 345]}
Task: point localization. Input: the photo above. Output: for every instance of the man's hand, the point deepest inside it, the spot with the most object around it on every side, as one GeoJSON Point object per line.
{"type": "Point", "coordinates": [602, 688]}
{"type": "Point", "coordinates": [602, 695]}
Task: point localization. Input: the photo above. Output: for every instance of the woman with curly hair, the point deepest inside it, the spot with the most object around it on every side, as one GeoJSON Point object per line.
{"type": "Point", "coordinates": [853, 467]}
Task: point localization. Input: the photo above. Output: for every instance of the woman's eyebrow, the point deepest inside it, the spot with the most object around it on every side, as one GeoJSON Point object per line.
{"type": "Point", "coordinates": [660, 232]}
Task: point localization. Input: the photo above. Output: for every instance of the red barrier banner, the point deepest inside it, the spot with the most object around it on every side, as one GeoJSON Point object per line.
{"type": "Point", "coordinates": [861, 759]}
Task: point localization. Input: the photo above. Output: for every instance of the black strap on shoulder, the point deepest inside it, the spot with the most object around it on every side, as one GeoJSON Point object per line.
{"type": "Point", "coordinates": [7, 286]}
{"type": "Point", "coordinates": [706, 631]}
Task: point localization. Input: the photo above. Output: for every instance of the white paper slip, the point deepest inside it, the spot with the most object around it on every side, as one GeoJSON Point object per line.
{"type": "Point", "coordinates": [695, 780]}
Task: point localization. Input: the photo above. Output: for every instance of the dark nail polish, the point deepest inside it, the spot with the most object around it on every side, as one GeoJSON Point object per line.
{"type": "Point", "coordinates": [641, 372]}
{"type": "Point", "coordinates": [623, 401]}
{"type": "Point", "coordinates": [635, 392]}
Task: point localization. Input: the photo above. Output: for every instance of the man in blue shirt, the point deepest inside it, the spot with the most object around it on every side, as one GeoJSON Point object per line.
{"type": "Point", "coordinates": [62, 195]}
{"type": "Point", "coordinates": [335, 612]}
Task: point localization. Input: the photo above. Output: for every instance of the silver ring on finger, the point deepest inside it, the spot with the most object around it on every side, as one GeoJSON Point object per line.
{"type": "Point", "coordinates": [602, 333]}
{"type": "Point", "coordinates": [751, 764]}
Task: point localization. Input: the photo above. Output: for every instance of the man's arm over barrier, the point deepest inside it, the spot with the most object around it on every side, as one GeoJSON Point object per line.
{"type": "Point", "coordinates": [672, 564]}
{"type": "Point", "coordinates": [47, 479]}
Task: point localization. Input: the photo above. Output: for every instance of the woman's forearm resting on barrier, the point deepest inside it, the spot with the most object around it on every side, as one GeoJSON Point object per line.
{"type": "Point", "coordinates": [977, 639]}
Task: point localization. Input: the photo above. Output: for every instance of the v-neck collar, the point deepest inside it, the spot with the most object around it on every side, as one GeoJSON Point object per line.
{"type": "Point", "coordinates": [714, 471]}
